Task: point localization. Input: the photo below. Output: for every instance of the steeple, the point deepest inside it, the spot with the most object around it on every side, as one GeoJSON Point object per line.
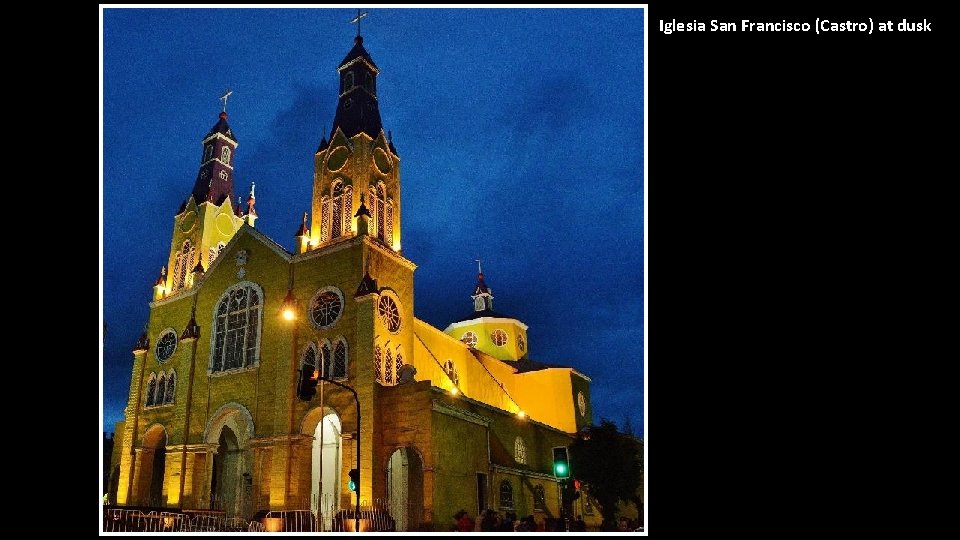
{"type": "Point", "coordinates": [206, 221]}
{"type": "Point", "coordinates": [357, 109]}
{"type": "Point", "coordinates": [214, 181]}
{"type": "Point", "coordinates": [482, 295]}
{"type": "Point", "coordinates": [356, 183]}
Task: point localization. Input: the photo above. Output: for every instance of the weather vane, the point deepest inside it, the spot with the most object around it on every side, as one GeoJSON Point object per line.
{"type": "Point", "coordinates": [357, 20]}
{"type": "Point", "coordinates": [226, 94]}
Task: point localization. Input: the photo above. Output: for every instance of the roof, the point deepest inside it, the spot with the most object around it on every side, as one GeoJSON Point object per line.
{"type": "Point", "coordinates": [525, 364]}
{"type": "Point", "coordinates": [222, 127]}
{"type": "Point", "coordinates": [357, 52]}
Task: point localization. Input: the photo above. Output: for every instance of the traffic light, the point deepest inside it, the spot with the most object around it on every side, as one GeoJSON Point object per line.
{"type": "Point", "coordinates": [307, 385]}
{"type": "Point", "coordinates": [354, 479]}
{"type": "Point", "coordinates": [561, 462]}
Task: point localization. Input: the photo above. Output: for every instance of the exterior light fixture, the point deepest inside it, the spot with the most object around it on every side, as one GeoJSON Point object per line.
{"type": "Point", "coordinates": [289, 307]}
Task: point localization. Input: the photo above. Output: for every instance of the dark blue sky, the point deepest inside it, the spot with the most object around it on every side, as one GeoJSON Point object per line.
{"type": "Point", "coordinates": [520, 134]}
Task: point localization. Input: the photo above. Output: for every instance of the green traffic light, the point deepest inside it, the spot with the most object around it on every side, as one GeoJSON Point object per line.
{"type": "Point", "coordinates": [352, 485]}
{"type": "Point", "coordinates": [560, 469]}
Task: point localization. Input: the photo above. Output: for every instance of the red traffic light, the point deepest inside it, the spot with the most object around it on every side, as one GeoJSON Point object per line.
{"type": "Point", "coordinates": [576, 484]}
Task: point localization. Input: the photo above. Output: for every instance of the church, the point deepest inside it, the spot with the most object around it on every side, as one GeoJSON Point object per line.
{"type": "Point", "coordinates": [240, 396]}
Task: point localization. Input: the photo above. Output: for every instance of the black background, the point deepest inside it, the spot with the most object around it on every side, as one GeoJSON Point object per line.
{"type": "Point", "coordinates": [799, 228]}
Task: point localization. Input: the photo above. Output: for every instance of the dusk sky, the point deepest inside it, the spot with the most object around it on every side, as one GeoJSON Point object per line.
{"type": "Point", "coordinates": [520, 135]}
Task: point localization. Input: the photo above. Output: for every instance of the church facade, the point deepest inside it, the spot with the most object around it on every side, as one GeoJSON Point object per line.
{"type": "Point", "coordinates": [217, 416]}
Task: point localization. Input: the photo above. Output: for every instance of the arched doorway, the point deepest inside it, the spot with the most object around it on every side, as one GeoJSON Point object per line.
{"type": "Point", "coordinates": [325, 477]}
{"type": "Point", "coordinates": [225, 479]}
{"type": "Point", "coordinates": [153, 463]}
{"type": "Point", "coordinates": [405, 488]}
{"type": "Point", "coordinates": [230, 429]}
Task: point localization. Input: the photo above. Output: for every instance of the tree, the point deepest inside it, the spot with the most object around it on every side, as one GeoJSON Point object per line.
{"type": "Point", "coordinates": [610, 463]}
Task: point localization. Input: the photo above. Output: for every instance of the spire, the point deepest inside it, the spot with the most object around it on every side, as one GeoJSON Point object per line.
{"type": "Point", "coordinates": [239, 209]}
{"type": "Point", "coordinates": [482, 295]}
{"type": "Point", "coordinates": [192, 331]}
{"type": "Point", "coordinates": [357, 109]}
{"type": "Point", "coordinates": [251, 200]}
{"type": "Point", "coordinates": [163, 277]}
{"type": "Point", "coordinates": [302, 231]}
{"type": "Point", "coordinates": [214, 182]}
{"type": "Point", "coordinates": [142, 344]}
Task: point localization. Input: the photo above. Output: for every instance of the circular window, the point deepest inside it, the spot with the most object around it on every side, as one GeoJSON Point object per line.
{"type": "Point", "coordinates": [469, 339]}
{"type": "Point", "coordinates": [499, 337]}
{"type": "Point", "coordinates": [389, 313]}
{"type": "Point", "coordinates": [326, 307]}
{"type": "Point", "coordinates": [521, 344]}
{"type": "Point", "coordinates": [166, 345]}
{"type": "Point", "coordinates": [581, 404]}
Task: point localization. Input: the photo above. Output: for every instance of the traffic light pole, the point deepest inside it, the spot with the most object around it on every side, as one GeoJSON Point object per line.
{"type": "Point", "coordinates": [356, 514]}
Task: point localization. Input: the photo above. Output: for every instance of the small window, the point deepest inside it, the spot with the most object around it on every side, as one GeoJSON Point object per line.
{"type": "Point", "coordinates": [499, 337]}
{"type": "Point", "coordinates": [520, 451]}
{"type": "Point", "coordinates": [521, 343]}
{"type": "Point", "coordinates": [225, 155]}
{"type": "Point", "coordinates": [340, 360]}
{"type": "Point", "coordinates": [469, 339]}
{"type": "Point", "coordinates": [151, 389]}
{"type": "Point", "coordinates": [539, 498]}
{"type": "Point", "coordinates": [506, 495]}
{"type": "Point", "coordinates": [208, 153]}
{"type": "Point", "coordinates": [171, 387]}
{"type": "Point", "coordinates": [347, 81]}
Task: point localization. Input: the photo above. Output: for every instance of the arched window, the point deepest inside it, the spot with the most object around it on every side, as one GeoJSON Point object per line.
{"type": "Point", "coordinates": [374, 219]}
{"type": "Point", "coordinates": [398, 363]}
{"type": "Point", "coordinates": [378, 364]}
{"type": "Point", "coordinates": [388, 222]}
{"type": "Point", "coordinates": [506, 495]}
{"type": "Point", "coordinates": [324, 219]}
{"type": "Point", "coordinates": [236, 337]}
{"type": "Point", "coordinates": [151, 389]}
{"type": "Point", "coordinates": [184, 263]}
{"type": "Point", "coordinates": [208, 153]}
{"type": "Point", "coordinates": [368, 82]}
{"type": "Point", "coordinates": [326, 356]}
{"type": "Point", "coordinates": [225, 155]}
{"type": "Point", "coordinates": [337, 217]}
{"type": "Point", "coordinates": [347, 81]}
{"type": "Point", "coordinates": [381, 219]}
{"type": "Point", "coordinates": [171, 387]}
{"type": "Point", "coordinates": [520, 451]}
{"type": "Point", "coordinates": [347, 210]}
{"type": "Point", "coordinates": [309, 357]}
{"type": "Point", "coordinates": [451, 372]}
{"type": "Point", "coordinates": [215, 252]}
{"type": "Point", "coordinates": [161, 389]}
{"type": "Point", "coordinates": [388, 369]}
{"type": "Point", "coordinates": [340, 360]}
{"type": "Point", "coordinates": [539, 498]}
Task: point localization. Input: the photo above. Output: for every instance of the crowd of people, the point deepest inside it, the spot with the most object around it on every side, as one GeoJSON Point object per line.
{"type": "Point", "coordinates": [491, 521]}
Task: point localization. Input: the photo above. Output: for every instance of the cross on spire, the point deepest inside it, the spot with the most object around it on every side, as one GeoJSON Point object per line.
{"type": "Point", "coordinates": [357, 20]}
{"type": "Point", "coordinates": [223, 98]}
{"type": "Point", "coordinates": [479, 270]}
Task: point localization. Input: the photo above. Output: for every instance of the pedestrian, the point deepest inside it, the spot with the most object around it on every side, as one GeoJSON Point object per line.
{"type": "Point", "coordinates": [464, 523]}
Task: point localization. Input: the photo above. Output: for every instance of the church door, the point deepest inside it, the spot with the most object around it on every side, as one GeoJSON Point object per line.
{"type": "Point", "coordinates": [325, 477]}
{"type": "Point", "coordinates": [405, 488]}
{"type": "Point", "coordinates": [225, 484]}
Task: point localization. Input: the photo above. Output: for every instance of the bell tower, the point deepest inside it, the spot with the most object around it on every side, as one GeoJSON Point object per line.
{"type": "Point", "coordinates": [359, 159]}
{"type": "Point", "coordinates": [206, 220]}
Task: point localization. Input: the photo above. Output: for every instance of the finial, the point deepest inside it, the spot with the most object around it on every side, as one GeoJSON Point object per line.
{"type": "Point", "coordinates": [479, 270]}
{"type": "Point", "coordinates": [226, 94]}
{"type": "Point", "coordinates": [251, 211]}
{"type": "Point", "coordinates": [390, 136]}
{"type": "Point", "coordinates": [358, 40]}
